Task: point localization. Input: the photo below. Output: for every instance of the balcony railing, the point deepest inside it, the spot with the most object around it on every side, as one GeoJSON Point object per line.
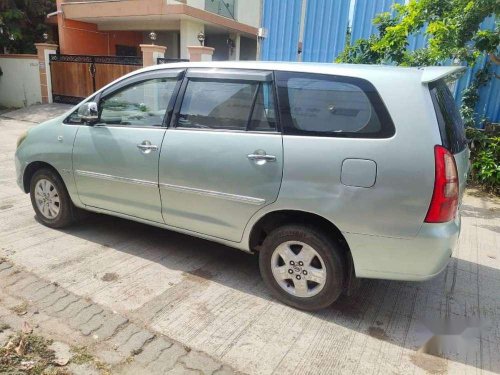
{"type": "Point", "coordinates": [223, 8]}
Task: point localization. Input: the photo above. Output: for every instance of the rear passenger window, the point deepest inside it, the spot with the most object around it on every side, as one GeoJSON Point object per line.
{"type": "Point", "coordinates": [227, 105]}
{"type": "Point", "coordinates": [323, 105]}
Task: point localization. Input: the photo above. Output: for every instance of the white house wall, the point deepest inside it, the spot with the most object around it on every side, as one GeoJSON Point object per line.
{"type": "Point", "coordinates": [20, 82]}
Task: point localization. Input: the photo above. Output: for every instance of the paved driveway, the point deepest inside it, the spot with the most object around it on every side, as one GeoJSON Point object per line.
{"type": "Point", "coordinates": [211, 297]}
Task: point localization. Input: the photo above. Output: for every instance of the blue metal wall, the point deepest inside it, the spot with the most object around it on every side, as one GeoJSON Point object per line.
{"type": "Point", "coordinates": [418, 40]}
{"type": "Point", "coordinates": [281, 19]}
{"type": "Point", "coordinates": [364, 13]}
{"type": "Point", "coordinates": [324, 38]}
{"type": "Point", "coordinates": [325, 29]}
{"type": "Point", "coordinates": [489, 95]}
{"type": "Point", "coordinates": [489, 103]}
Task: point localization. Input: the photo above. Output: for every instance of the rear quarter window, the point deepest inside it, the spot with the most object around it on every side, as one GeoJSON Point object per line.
{"type": "Point", "coordinates": [451, 126]}
{"type": "Point", "coordinates": [335, 106]}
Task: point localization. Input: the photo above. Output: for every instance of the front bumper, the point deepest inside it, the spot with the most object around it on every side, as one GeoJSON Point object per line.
{"type": "Point", "coordinates": [19, 172]}
{"type": "Point", "coordinates": [416, 259]}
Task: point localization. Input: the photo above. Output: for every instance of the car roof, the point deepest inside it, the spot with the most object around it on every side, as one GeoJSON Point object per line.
{"type": "Point", "coordinates": [423, 74]}
{"type": "Point", "coordinates": [327, 68]}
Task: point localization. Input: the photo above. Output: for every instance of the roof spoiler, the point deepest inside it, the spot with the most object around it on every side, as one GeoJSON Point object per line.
{"type": "Point", "coordinates": [433, 73]}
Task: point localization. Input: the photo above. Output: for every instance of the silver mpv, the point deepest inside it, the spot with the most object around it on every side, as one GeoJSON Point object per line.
{"type": "Point", "coordinates": [330, 172]}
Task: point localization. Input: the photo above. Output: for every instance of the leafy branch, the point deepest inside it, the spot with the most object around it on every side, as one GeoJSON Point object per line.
{"type": "Point", "coordinates": [451, 26]}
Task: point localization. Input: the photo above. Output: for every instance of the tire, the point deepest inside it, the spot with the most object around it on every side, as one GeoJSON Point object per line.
{"type": "Point", "coordinates": [284, 271]}
{"type": "Point", "coordinates": [50, 200]}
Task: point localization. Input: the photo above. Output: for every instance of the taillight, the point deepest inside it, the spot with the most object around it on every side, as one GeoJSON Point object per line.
{"type": "Point", "coordinates": [445, 197]}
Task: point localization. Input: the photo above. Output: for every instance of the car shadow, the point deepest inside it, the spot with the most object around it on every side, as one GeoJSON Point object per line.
{"type": "Point", "coordinates": [453, 316]}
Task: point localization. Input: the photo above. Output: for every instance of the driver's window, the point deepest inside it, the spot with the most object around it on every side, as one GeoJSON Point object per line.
{"type": "Point", "coordinates": [141, 104]}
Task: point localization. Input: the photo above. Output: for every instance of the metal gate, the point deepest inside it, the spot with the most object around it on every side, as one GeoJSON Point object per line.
{"type": "Point", "coordinates": [74, 77]}
{"type": "Point", "coordinates": [163, 60]}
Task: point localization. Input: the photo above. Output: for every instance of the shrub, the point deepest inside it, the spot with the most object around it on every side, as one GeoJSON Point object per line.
{"type": "Point", "coordinates": [485, 159]}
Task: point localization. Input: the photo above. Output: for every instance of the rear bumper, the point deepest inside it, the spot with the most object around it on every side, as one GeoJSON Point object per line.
{"type": "Point", "coordinates": [416, 259]}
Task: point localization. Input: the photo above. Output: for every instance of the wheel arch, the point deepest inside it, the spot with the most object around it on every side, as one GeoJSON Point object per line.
{"type": "Point", "coordinates": [275, 219]}
{"type": "Point", "coordinates": [31, 169]}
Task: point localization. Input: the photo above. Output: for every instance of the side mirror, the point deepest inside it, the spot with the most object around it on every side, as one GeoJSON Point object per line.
{"type": "Point", "coordinates": [89, 112]}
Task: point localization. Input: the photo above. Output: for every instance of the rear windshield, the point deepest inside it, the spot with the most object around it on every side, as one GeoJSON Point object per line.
{"type": "Point", "coordinates": [450, 122]}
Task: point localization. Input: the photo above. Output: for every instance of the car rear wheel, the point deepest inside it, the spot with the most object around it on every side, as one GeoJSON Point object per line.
{"type": "Point", "coordinates": [50, 199]}
{"type": "Point", "coordinates": [302, 267]}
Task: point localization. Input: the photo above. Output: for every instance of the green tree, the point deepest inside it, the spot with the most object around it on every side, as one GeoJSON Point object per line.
{"type": "Point", "coordinates": [452, 28]}
{"type": "Point", "coordinates": [22, 24]}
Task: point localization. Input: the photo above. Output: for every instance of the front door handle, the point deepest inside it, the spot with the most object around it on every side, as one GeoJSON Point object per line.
{"type": "Point", "coordinates": [260, 157]}
{"type": "Point", "coordinates": [146, 147]}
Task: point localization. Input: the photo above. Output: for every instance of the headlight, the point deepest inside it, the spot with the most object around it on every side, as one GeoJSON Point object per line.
{"type": "Point", "coordinates": [21, 138]}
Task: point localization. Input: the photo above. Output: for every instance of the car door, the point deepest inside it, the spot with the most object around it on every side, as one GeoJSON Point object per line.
{"type": "Point", "coordinates": [115, 161]}
{"type": "Point", "coordinates": [222, 156]}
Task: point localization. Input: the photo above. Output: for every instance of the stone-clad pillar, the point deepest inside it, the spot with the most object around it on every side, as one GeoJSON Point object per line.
{"type": "Point", "coordinates": [43, 52]}
{"type": "Point", "coordinates": [200, 53]}
{"type": "Point", "coordinates": [150, 54]}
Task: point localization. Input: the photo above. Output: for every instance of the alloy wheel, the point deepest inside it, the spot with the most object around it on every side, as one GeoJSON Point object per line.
{"type": "Point", "coordinates": [47, 199]}
{"type": "Point", "coordinates": [298, 269]}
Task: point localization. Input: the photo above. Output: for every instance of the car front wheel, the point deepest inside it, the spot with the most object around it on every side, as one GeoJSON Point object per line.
{"type": "Point", "coordinates": [302, 266]}
{"type": "Point", "coordinates": [50, 199]}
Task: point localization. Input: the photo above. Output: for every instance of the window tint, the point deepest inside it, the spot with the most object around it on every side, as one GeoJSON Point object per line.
{"type": "Point", "coordinates": [322, 105]}
{"type": "Point", "coordinates": [141, 104]}
{"type": "Point", "coordinates": [229, 105]}
{"type": "Point", "coordinates": [450, 122]}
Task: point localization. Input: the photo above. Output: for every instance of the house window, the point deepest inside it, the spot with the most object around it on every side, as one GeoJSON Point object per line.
{"type": "Point", "coordinates": [126, 51]}
{"type": "Point", "coordinates": [223, 8]}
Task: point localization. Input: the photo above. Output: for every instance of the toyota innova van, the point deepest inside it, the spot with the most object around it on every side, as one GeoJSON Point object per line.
{"type": "Point", "coordinates": [329, 172]}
